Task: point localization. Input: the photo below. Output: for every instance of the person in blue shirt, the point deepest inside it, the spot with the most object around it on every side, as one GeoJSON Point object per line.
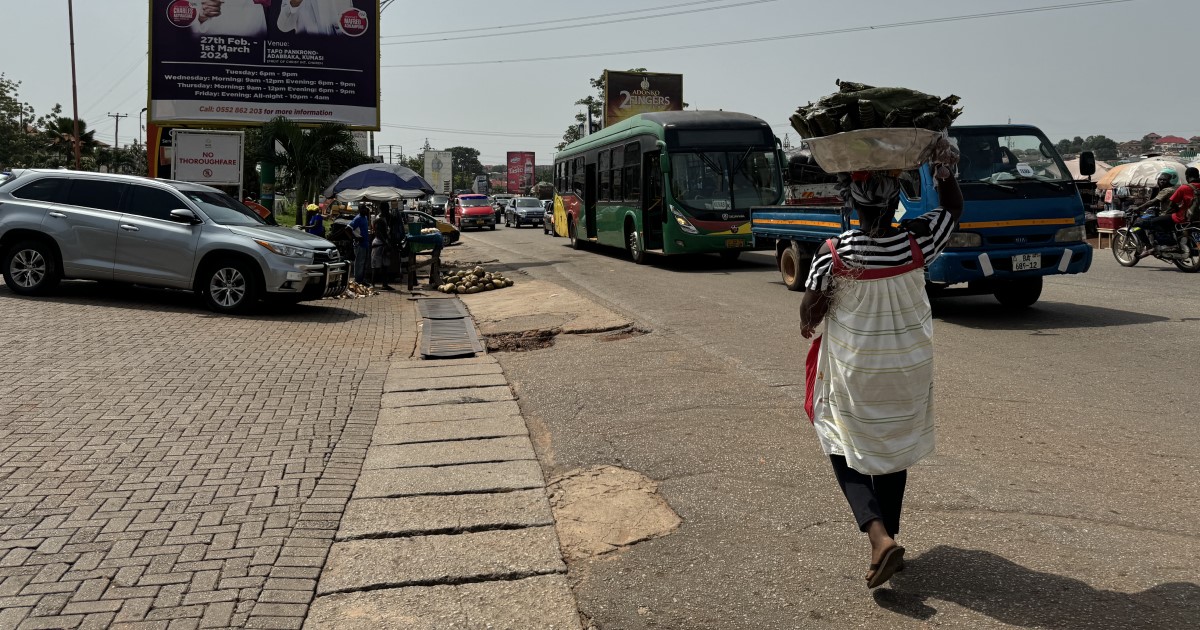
{"type": "Point", "coordinates": [360, 226]}
{"type": "Point", "coordinates": [316, 222]}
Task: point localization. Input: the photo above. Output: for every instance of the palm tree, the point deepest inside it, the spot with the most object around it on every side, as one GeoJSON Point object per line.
{"type": "Point", "coordinates": [60, 135]}
{"type": "Point", "coordinates": [309, 157]}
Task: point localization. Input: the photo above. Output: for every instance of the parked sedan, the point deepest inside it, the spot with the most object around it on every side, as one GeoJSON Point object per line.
{"type": "Point", "coordinates": [449, 233]}
{"type": "Point", "coordinates": [523, 211]}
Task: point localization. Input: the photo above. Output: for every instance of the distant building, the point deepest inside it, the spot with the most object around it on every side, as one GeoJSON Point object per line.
{"type": "Point", "coordinates": [1132, 148]}
{"type": "Point", "coordinates": [1153, 137]}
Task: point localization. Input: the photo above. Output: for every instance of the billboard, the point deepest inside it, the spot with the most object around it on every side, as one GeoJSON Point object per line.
{"type": "Point", "coordinates": [439, 170]}
{"type": "Point", "coordinates": [247, 61]}
{"type": "Point", "coordinates": [520, 171]}
{"type": "Point", "coordinates": [208, 157]}
{"type": "Point", "coordinates": [627, 94]}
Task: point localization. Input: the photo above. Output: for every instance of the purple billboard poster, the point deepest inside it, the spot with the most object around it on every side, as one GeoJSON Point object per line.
{"type": "Point", "coordinates": [238, 62]}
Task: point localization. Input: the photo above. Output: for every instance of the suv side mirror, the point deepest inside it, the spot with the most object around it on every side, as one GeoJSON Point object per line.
{"type": "Point", "coordinates": [1087, 163]}
{"type": "Point", "coordinates": [183, 215]}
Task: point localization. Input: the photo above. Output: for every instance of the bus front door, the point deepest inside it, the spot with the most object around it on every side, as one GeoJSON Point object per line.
{"type": "Point", "coordinates": [652, 202]}
{"type": "Point", "coordinates": [589, 199]}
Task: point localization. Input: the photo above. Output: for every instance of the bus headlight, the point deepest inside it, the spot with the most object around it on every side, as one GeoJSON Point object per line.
{"type": "Point", "coordinates": [684, 225]}
{"type": "Point", "coordinates": [965, 239]}
{"type": "Point", "coordinates": [1073, 234]}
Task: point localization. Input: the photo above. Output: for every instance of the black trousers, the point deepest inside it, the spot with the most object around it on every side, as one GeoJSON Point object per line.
{"type": "Point", "coordinates": [1152, 229]}
{"type": "Point", "coordinates": [872, 496]}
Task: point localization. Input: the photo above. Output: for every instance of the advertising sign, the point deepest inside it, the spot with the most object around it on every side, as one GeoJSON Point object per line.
{"type": "Point", "coordinates": [248, 61]}
{"type": "Point", "coordinates": [627, 94]}
{"type": "Point", "coordinates": [208, 157]}
{"type": "Point", "coordinates": [439, 170]}
{"type": "Point", "coordinates": [520, 171]}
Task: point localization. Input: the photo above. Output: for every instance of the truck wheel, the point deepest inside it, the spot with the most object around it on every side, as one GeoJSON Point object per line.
{"type": "Point", "coordinates": [31, 268]}
{"type": "Point", "coordinates": [229, 287]}
{"type": "Point", "coordinates": [793, 267]}
{"type": "Point", "coordinates": [1019, 293]}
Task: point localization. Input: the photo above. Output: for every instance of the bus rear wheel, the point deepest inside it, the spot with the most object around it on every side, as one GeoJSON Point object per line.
{"type": "Point", "coordinates": [573, 234]}
{"type": "Point", "coordinates": [633, 243]}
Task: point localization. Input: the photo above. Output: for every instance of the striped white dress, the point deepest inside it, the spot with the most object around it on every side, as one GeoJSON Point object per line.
{"type": "Point", "coordinates": [872, 384]}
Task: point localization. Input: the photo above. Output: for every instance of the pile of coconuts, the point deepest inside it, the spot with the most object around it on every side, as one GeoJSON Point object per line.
{"type": "Point", "coordinates": [472, 281]}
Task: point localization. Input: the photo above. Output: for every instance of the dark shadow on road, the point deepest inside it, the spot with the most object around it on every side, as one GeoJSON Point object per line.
{"type": "Point", "coordinates": [983, 312]}
{"type": "Point", "coordinates": [114, 295]}
{"type": "Point", "coordinates": [750, 261]}
{"type": "Point", "coordinates": [1010, 593]}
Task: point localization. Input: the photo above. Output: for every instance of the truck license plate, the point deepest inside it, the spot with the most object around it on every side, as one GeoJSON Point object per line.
{"type": "Point", "coordinates": [734, 243]}
{"type": "Point", "coordinates": [1027, 262]}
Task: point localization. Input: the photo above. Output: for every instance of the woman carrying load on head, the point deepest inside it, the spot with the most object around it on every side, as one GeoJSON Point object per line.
{"type": "Point", "coordinates": [870, 374]}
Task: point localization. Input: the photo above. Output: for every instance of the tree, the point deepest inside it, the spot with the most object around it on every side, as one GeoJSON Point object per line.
{"type": "Point", "coordinates": [1147, 143]}
{"type": "Point", "coordinates": [1063, 146]}
{"type": "Point", "coordinates": [310, 157]}
{"type": "Point", "coordinates": [1104, 147]}
{"type": "Point", "coordinates": [466, 166]}
{"type": "Point", "coordinates": [18, 141]}
{"type": "Point", "coordinates": [416, 163]}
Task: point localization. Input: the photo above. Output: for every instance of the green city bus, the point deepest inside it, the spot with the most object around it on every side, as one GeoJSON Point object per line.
{"type": "Point", "coordinates": [668, 183]}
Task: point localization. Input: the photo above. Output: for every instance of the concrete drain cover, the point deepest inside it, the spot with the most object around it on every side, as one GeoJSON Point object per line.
{"type": "Point", "coordinates": [604, 508]}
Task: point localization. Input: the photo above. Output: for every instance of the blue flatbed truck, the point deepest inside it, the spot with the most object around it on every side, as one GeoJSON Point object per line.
{"type": "Point", "coordinates": [1022, 220]}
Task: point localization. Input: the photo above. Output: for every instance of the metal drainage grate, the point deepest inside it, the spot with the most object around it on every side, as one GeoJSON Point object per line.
{"type": "Point", "coordinates": [449, 338]}
{"type": "Point", "coordinates": [442, 308]}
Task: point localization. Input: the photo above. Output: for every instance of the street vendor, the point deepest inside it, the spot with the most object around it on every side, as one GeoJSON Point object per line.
{"type": "Point", "coordinates": [315, 224]}
{"type": "Point", "coordinates": [869, 377]}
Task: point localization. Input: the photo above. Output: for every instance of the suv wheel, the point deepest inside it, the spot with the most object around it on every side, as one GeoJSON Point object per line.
{"type": "Point", "coordinates": [229, 287]}
{"type": "Point", "coordinates": [30, 268]}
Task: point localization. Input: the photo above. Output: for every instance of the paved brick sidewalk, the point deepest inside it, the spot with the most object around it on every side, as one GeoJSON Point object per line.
{"type": "Point", "coordinates": [162, 467]}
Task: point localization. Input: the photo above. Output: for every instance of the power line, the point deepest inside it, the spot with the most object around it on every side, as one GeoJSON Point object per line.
{"type": "Point", "coordinates": [112, 86]}
{"type": "Point", "coordinates": [558, 21]}
{"type": "Point", "coordinates": [758, 40]}
{"type": "Point", "coordinates": [626, 19]}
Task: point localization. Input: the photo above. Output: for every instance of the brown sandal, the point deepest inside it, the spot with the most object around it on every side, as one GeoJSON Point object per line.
{"type": "Point", "coordinates": [892, 561]}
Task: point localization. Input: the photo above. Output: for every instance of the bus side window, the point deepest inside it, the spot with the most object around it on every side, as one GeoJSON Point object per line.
{"type": "Point", "coordinates": [605, 177]}
{"type": "Point", "coordinates": [577, 172]}
{"type": "Point", "coordinates": [633, 171]}
{"type": "Point", "coordinates": [618, 193]}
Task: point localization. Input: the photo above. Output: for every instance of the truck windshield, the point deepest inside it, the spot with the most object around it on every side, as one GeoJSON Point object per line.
{"type": "Point", "coordinates": [998, 156]}
{"type": "Point", "coordinates": [720, 181]}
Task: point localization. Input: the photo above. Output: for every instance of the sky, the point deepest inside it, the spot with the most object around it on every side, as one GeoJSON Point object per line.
{"type": "Point", "coordinates": [1115, 69]}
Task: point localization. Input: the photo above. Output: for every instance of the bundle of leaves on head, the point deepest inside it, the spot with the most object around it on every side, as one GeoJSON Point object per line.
{"type": "Point", "coordinates": [859, 106]}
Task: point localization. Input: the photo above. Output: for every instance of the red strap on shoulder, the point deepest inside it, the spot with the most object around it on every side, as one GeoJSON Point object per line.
{"type": "Point", "coordinates": [917, 255]}
{"type": "Point", "coordinates": [837, 260]}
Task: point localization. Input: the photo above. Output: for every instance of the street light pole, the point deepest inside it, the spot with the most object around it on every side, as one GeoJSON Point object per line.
{"type": "Point", "coordinates": [74, 84]}
{"type": "Point", "coordinates": [141, 127]}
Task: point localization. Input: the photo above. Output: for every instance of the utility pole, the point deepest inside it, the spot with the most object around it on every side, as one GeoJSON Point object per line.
{"type": "Point", "coordinates": [389, 148]}
{"type": "Point", "coordinates": [116, 132]}
{"type": "Point", "coordinates": [74, 84]}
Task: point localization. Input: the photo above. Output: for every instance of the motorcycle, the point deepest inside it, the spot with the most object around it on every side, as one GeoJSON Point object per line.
{"type": "Point", "coordinates": [1183, 249]}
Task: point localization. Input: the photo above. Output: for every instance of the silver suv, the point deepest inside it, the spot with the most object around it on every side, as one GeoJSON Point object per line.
{"type": "Point", "coordinates": [57, 224]}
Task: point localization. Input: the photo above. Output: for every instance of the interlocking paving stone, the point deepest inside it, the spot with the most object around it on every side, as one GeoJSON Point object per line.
{"type": "Point", "coordinates": [372, 518]}
{"type": "Point", "coordinates": [442, 413]}
{"type": "Point", "coordinates": [158, 463]}
{"type": "Point", "coordinates": [543, 602]}
{"type": "Point", "coordinates": [417, 384]}
{"type": "Point", "coordinates": [519, 475]}
{"type": "Point", "coordinates": [424, 560]}
{"type": "Point", "coordinates": [401, 433]}
{"type": "Point", "coordinates": [447, 396]}
{"type": "Point", "coordinates": [448, 453]}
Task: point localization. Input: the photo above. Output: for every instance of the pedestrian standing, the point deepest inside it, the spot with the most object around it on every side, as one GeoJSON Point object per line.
{"type": "Point", "coordinates": [316, 221]}
{"type": "Point", "coordinates": [380, 251]}
{"type": "Point", "coordinates": [869, 376]}
{"type": "Point", "coordinates": [360, 228]}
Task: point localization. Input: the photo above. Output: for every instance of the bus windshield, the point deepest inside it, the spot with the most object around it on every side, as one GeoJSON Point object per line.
{"type": "Point", "coordinates": [998, 156]}
{"type": "Point", "coordinates": [723, 181]}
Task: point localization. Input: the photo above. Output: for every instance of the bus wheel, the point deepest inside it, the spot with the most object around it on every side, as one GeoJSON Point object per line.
{"type": "Point", "coordinates": [1019, 293]}
{"type": "Point", "coordinates": [793, 267]}
{"type": "Point", "coordinates": [633, 243]}
{"type": "Point", "coordinates": [573, 234]}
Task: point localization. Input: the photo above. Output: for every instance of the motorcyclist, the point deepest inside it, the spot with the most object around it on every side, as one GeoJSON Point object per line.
{"type": "Point", "coordinates": [1160, 206]}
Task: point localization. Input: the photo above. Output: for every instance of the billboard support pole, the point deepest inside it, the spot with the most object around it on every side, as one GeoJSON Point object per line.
{"type": "Point", "coordinates": [74, 85]}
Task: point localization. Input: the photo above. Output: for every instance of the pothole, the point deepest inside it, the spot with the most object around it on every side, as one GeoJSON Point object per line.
{"type": "Point", "coordinates": [523, 341]}
{"type": "Point", "coordinates": [624, 333]}
{"type": "Point", "coordinates": [604, 508]}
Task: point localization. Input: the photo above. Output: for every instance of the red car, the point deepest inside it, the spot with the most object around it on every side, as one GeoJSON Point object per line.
{"type": "Point", "coordinates": [473, 211]}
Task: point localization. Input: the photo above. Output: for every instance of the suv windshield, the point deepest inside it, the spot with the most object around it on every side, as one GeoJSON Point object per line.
{"type": "Point", "coordinates": [720, 181]}
{"type": "Point", "coordinates": [473, 202]}
{"type": "Point", "coordinates": [222, 208]}
{"type": "Point", "coordinates": [528, 203]}
{"type": "Point", "coordinates": [438, 200]}
{"type": "Point", "coordinates": [992, 156]}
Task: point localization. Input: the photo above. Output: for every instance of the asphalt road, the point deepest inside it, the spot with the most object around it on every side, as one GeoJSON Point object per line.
{"type": "Point", "coordinates": [1062, 494]}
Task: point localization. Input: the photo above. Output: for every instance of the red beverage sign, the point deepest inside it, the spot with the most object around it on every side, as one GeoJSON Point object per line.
{"type": "Point", "coordinates": [520, 171]}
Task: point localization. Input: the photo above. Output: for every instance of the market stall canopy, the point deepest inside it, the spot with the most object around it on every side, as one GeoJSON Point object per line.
{"type": "Point", "coordinates": [1102, 168]}
{"type": "Point", "coordinates": [376, 175]}
{"type": "Point", "coordinates": [377, 193]}
{"type": "Point", "coordinates": [1139, 174]}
